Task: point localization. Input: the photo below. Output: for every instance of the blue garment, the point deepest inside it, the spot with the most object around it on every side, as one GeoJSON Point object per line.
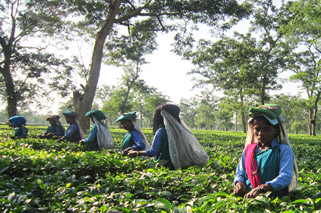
{"type": "Point", "coordinates": [92, 134]}
{"type": "Point", "coordinates": [56, 130]}
{"type": "Point", "coordinates": [156, 144]}
{"type": "Point", "coordinates": [284, 177]}
{"type": "Point", "coordinates": [133, 140]}
{"type": "Point", "coordinates": [73, 133]}
{"type": "Point", "coordinates": [160, 149]}
{"type": "Point", "coordinates": [91, 141]}
{"type": "Point", "coordinates": [21, 132]}
{"type": "Point", "coordinates": [139, 144]}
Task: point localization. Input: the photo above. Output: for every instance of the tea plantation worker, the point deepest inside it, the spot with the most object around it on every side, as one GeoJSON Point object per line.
{"type": "Point", "coordinates": [18, 123]}
{"type": "Point", "coordinates": [99, 136]}
{"type": "Point", "coordinates": [55, 129]}
{"type": "Point", "coordinates": [174, 145]}
{"type": "Point", "coordinates": [135, 138]}
{"type": "Point", "coordinates": [74, 133]}
{"type": "Point", "coordinates": [267, 162]}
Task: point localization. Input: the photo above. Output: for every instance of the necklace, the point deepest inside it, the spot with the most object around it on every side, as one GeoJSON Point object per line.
{"type": "Point", "coordinates": [259, 163]}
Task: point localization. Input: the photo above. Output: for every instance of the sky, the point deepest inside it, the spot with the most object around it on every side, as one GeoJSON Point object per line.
{"type": "Point", "coordinates": [165, 71]}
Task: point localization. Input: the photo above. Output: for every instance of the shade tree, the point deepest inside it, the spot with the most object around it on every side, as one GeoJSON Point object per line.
{"type": "Point", "coordinates": [28, 69]}
{"type": "Point", "coordinates": [101, 20]}
{"type": "Point", "coordinates": [141, 98]}
{"type": "Point", "coordinates": [188, 111]}
{"type": "Point", "coordinates": [145, 102]}
{"type": "Point", "coordinates": [199, 111]}
{"type": "Point", "coordinates": [304, 33]}
{"type": "Point", "coordinates": [294, 111]}
{"type": "Point", "coordinates": [227, 65]}
{"type": "Point", "coordinates": [306, 70]}
{"type": "Point", "coordinates": [245, 66]}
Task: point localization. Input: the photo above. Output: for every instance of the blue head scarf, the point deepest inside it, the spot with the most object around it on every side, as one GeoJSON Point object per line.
{"type": "Point", "coordinates": [17, 120]}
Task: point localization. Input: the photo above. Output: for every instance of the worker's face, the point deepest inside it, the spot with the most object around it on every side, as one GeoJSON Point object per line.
{"type": "Point", "coordinates": [264, 131]}
{"type": "Point", "coordinates": [70, 120]}
{"type": "Point", "coordinates": [127, 125]}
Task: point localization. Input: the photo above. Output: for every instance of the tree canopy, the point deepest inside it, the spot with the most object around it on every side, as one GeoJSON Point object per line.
{"type": "Point", "coordinates": [27, 69]}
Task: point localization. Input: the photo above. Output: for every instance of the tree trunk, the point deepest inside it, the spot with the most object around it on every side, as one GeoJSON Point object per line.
{"type": "Point", "coordinates": [226, 122]}
{"type": "Point", "coordinates": [313, 122]}
{"type": "Point", "coordinates": [263, 91]}
{"type": "Point", "coordinates": [83, 102]}
{"type": "Point", "coordinates": [315, 111]}
{"type": "Point", "coordinates": [11, 94]}
{"type": "Point", "coordinates": [141, 116]}
{"type": "Point", "coordinates": [310, 121]}
{"type": "Point", "coordinates": [243, 121]}
{"type": "Point", "coordinates": [122, 108]}
{"type": "Point", "coordinates": [236, 121]}
{"type": "Point", "coordinates": [130, 84]}
{"type": "Point", "coordinates": [242, 112]}
{"type": "Point", "coordinates": [12, 101]}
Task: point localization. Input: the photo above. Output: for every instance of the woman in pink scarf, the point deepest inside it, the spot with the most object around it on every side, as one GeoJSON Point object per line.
{"type": "Point", "coordinates": [267, 162]}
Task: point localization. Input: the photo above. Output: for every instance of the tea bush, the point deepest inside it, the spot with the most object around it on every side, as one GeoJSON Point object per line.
{"type": "Point", "coordinates": [40, 175]}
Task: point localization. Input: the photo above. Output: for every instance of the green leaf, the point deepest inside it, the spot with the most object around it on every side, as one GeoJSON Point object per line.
{"type": "Point", "coordinates": [4, 168]}
{"type": "Point", "coordinates": [162, 203]}
{"type": "Point", "coordinates": [300, 201]}
{"type": "Point", "coordinates": [11, 196]}
{"type": "Point", "coordinates": [103, 208]}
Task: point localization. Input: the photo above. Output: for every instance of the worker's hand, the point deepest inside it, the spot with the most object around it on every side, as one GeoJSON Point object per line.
{"type": "Point", "coordinates": [240, 189]}
{"type": "Point", "coordinates": [253, 193]}
{"type": "Point", "coordinates": [133, 153]}
{"type": "Point", "coordinates": [125, 151]}
{"type": "Point", "coordinates": [61, 139]}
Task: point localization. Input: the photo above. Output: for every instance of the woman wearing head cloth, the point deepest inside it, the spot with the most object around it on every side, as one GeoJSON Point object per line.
{"type": "Point", "coordinates": [99, 136]}
{"type": "Point", "coordinates": [174, 145]}
{"type": "Point", "coordinates": [267, 162]}
{"type": "Point", "coordinates": [74, 132]}
{"type": "Point", "coordinates": [18, 123]}
{"type": "Point", "coordinates": [55, 129]}
{"type": "Point", "coordinates": [135, 138]}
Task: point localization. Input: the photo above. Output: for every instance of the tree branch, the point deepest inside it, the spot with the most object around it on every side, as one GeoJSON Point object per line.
{"type": "Point", "coordinates": [130, 15]}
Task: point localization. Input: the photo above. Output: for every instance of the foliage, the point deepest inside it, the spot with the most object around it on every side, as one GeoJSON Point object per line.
{"type": "Point", "coordinates": [294, 112]}
{"type": "Point", "coordinates": [137, 97]}
{"type": "Point", "coordinates": [40, 175]}
{"type": "Point", "coordinates": [306, 20]}
{"type": "Point", "coordinates": [128, 29]}
{"type": "Point", "coordinates": [27, 67]}
{"type": "Point", "coordinates": [243, 66]}
{"type": "Point", "coordinates": [305, 58]}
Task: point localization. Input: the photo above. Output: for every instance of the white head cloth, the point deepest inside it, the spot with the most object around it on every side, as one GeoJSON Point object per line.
{"type": "Point", "coordinates": [250, 138]}
{"type": "Point", "coordinates": [184, 148]}
{"type": "Point", "coordinates": [141, 133]}
{"type": "Point", "coordinates": [104, 138]}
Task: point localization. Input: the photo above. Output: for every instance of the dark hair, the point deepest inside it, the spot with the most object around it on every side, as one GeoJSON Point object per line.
{"type": "Point", "coordinates": [158, 120]}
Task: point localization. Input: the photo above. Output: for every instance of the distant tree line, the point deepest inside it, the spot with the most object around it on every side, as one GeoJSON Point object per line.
{"type": "Point", "coordinates": [204, 111]}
